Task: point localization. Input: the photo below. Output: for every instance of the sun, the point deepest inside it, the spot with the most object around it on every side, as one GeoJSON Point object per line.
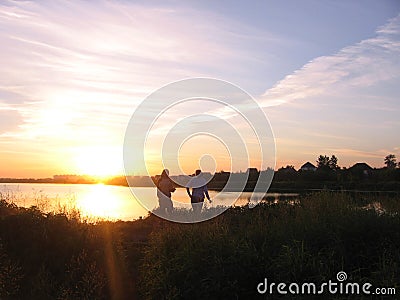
{"type": "Point", "coordinates": [99, 161]}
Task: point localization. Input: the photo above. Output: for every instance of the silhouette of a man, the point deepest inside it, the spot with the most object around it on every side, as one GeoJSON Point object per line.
{"type": "Point", "coordinates": [199, 191]}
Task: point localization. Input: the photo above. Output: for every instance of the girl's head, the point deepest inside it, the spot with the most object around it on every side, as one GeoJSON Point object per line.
{"type": "Point", "coordinates": [165, 173]}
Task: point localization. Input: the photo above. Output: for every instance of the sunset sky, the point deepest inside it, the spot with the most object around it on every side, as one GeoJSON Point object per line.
{"type": "Point", "coordinates": [326, 73]}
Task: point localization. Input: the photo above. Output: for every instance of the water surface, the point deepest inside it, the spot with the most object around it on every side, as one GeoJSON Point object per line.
{"type": "Point", "coordinates": [103, 201]}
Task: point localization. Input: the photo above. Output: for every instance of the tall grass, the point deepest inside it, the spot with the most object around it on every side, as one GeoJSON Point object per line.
{"type": "Point", "coordinates": [45, 255]}
{"type": "Point", "coordinates": [309, 242]}
{"type": "Point", "coordinates": [61, 256]}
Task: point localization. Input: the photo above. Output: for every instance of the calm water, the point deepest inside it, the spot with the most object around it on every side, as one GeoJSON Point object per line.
{"type": "Point", "coordinates": [101, 201]}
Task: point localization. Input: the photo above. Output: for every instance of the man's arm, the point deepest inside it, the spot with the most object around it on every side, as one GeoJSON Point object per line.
{"type": "Point", "coordinates": [188, 191]}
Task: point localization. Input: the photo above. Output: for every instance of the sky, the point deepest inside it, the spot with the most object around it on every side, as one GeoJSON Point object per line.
{"type": "Point", "coordinates": [325, 73]}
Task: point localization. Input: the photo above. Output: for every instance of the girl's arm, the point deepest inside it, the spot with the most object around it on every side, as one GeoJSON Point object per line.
{"type": "Point", "coordinates": [206, 193]}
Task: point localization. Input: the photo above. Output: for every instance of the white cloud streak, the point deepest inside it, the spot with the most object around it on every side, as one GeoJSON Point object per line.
{"type": "Point", "coordinates": [366, 63]}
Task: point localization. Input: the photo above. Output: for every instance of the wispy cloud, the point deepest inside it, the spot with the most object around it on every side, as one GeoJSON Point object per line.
{"type": "Point", "coordinates": [344, 104]}
{"type": "Point", "coordinates": [68, 64]}
{"type": "Point", "coordinates": [370, 61]}
{"type": "Point", "coordinates": [376, 157]}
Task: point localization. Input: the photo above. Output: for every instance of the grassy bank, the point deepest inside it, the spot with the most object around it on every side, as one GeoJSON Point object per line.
{"type": "Point", "coordinates": [57, 256]}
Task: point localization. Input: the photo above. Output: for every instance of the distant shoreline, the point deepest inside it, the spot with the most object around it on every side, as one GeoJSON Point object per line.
{"type": "Point", "coordinates": [360, 177]}
{"type": "Point", "coordinates": [271, 190]}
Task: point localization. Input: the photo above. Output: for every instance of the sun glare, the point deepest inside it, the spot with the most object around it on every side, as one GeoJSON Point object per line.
{"type": "Point", "coordinates": [107, 202]}
{"type": "Point", "coordinates": [100, 202]}
{"type": "Point", "coordinates": [99, 161]}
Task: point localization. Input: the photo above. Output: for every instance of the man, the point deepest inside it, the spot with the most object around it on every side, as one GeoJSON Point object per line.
{"type": "Point", "coordinates": [199, 191]}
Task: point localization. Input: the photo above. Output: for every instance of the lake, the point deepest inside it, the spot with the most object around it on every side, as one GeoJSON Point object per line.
{"type": "Point", "coordinates": [103, 201]}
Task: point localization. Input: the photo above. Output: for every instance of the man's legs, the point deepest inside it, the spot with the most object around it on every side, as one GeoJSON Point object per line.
{"type": "Point", "coordinates": [169, 207]}
{"type": "Point", "coordinates": [166, 206]}
{"type": "Point", "coordinates": [197, 207]}
{"type": "Point", "coordinates": [197, 204]}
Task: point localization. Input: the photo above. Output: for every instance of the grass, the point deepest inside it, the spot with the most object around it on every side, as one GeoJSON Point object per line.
{"type": "Point", "coordinates": [310, 242]}
{"type": "Point", "coordinates": [59, 256]}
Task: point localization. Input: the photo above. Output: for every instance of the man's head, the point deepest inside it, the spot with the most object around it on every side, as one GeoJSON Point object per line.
{"type": "Point", "coordinates": [198, 172]}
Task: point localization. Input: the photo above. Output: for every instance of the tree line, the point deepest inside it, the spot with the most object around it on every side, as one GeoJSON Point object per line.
{"type": "Point", "coordinates": [328, 174]}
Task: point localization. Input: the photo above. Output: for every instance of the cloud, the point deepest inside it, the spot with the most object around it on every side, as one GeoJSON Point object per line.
{"type": "Point", "coordinates": [364, 64]}
{"type": "Point", "coordinates": [9, 120]}
{"type": "Point", "coordinates": [73, 66]}
{"type": "Point", "coordinates": [359, 153]}
{"type": "Point", "coordinates": [344, 104]}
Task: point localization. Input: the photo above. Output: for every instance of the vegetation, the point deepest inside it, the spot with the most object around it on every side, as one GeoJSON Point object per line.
{"type": "Point", "coordinates": [309, 242]}
{"type": "Point", "coordinates": [327, 163]}
{"type": "Point", "coordinates": [390, 161]}
{"type": "Point", "coordinates": [59, 256]}
{"type": "Point", "coordinates": [328, 175]}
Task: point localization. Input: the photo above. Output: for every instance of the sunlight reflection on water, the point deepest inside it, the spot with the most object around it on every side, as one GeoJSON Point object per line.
{"type": "Point", "coordinates": [98, 200]}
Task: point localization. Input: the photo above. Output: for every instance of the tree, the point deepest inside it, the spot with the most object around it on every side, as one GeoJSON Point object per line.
{"type": "Point", "coordinates": [333, 163]}
{"type": "Point", "coordinates": [390, 161]}
{"type": "Point", "coordinates": [327, 163]}
{"type": "Point", "coordinates": [322, 161]}
{"type": "Point", "coordinates": [286, 173]}
{"type": "Point", "coordinates": [288, 168]}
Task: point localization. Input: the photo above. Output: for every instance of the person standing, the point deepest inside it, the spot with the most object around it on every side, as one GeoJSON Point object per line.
{"type": "Point", "coordinates": [164, 190]}
{"type": "Point", "coordinates": [199, 192]}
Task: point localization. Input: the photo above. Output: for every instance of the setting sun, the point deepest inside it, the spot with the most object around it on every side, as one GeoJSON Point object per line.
{"type": "Point", "coordinates": [99, 161]}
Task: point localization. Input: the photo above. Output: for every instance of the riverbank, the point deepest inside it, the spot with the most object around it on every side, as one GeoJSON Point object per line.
{"type": "Point", "coordinates": [59, 256]}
